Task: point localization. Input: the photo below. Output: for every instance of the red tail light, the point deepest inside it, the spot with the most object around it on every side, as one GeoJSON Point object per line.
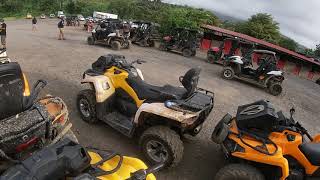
{"type": "Point", "coordinates": [61, 120]}
{"type": "Point", "coordinates": [25, 145]}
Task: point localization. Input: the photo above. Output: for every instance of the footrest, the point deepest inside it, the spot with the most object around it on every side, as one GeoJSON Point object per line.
{"type": "Point", "coordinates": [120, 122]}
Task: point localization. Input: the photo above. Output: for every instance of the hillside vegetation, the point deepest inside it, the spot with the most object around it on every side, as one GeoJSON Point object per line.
{"type": "Point", "coordinates": [261, 25]}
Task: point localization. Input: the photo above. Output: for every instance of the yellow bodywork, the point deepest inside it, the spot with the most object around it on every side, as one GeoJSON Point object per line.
{"type": "Point", "coordinates": [128, 166]}
{"type": "Point", "coordinates": [285, 147]}
{"type": "Point", "coordinates": [26, 91]}
{"type": "Point", "coordinates": [118, 78]}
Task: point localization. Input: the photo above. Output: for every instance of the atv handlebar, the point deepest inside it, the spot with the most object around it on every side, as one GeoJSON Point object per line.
{"type": "Point", "coordinates": [143, 173]}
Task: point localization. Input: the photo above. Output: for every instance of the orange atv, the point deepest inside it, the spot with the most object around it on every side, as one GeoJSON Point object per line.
{"type": "Point", "coordinates": [262, 144]}
{"type": "Point", "coordinates": [27, 123]}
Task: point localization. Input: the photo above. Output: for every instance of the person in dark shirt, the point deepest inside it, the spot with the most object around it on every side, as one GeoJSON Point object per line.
{"type": "Point", "coordinates": [3, 33]}
{"type": "Point", "coordinates": [61, 26]}
{"type": "Point", "coordinates": [34, 24]}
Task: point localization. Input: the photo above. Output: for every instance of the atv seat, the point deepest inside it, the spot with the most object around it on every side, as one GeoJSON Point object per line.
{"type": "Point", "coordinates": [13, 88]}
{"type": "Point", "coordinates": [312, 152]}
{"type": "Point", "coordinates": [167, 92]}
{"type": "Point", "coordinates": [155, 93]}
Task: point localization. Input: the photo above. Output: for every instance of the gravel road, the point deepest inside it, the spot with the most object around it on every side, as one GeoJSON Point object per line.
{"type": "Point", "coordinates": [62, 63]}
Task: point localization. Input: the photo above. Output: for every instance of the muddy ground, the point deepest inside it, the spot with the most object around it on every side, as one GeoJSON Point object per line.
{"type": "Point", "coordinates": [62, 63]}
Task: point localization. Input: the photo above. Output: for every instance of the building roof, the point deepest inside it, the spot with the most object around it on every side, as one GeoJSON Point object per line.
{"type": "Point", "coordinates": [261, 42]}
{"type": "Point", "coordinates": [264, 51]}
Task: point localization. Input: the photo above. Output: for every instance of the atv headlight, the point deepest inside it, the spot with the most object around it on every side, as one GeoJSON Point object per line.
{"type": "Point", "coordinates": [105, 86]}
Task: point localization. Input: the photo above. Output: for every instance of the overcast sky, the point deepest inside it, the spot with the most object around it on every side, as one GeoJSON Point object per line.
{"type": "Point", "coordinates": [298, 19]}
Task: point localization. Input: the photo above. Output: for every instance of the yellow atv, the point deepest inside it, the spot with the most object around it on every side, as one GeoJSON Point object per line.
{"type": "Point", "coordinates": [26, 122]}
{"type": "Point", "coordinates": [121, 98]}
{"type": "Point", "coordinates": [69, 160]}
{"type": "Point", "coordinates": [262, 144]}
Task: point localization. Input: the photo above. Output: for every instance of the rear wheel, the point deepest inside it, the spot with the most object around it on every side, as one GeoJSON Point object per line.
{"type": "Point", "coordinates": [228, 73]}
{"type": "Point", "coordinates": [127, 45]}
{"type": "Point", "coordinates": [187, 52]}
{"type": "Point", "coordinates": [115, 45]}
{"type": "Point", "coordinates": [160, 144]}
{"type": "Point", "coordinates": [162, 47]}
{"type": "Point", "coordinates": [86, 104]}
{"type": "Point", "coordinates": [275, 89]}
{"type": "Point", "coordinates": [90, 40]}
{"type": "Point", "coordinates": [239, 172]}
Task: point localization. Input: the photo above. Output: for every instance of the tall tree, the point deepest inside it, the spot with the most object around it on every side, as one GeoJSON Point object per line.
{"type": "Point", "coordinates": [288, 43]}
{"type": "Point", "coordinates": [261, 26]}
{"type": "Point", "coordinates": [317, 50]}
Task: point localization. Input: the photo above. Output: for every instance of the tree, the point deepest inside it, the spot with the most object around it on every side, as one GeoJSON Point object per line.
{"type": "Point", "coordinates": [261, 26]}
{"type": "Point", "coordinates": [317, 50]}
{"type": "Point", "coordinates": [309, 52]}
{"type": "Point", "coordinates": [71, 7]}
{"type": "Point", "coordinates": [288, 43]}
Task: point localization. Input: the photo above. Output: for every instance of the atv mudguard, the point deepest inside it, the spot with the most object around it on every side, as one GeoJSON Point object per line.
{"type": "Point", "coordinates": [102, 85]}
{"type": "Point", "coordinates": [159, 109]}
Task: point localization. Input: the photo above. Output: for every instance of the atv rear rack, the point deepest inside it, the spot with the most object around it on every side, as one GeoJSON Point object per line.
{"type": "Point", "coordinates": [198, 102]}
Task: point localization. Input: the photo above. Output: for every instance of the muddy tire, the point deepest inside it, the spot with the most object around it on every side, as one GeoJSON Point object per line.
{"type": "Point", "coordinates": [220, 133]}
{"type": "Point", "coordinates": [239, 172]}
{"type": "Point", "coordinates": [127, 45]}
{"type": "Point", "coordinates": [275, 89]}
{"type": "Point", "coordinates": [187, 52]}
{"type": "Point", "coordinates": [160, 144]}
{"type": "Point", "coordinates": [162, 47]}
{"type": "Point", "coordinates": [90, 40]}
{"type": "Point", "coordinates": [115, 45]}
{"type": "Point", "coordinates": [86, 104]}
{"type": "Point", "coordinates": [227, 73]}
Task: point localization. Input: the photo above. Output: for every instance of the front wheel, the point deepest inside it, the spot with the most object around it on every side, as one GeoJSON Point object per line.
{"type": "Point", "coordinates": [187, 52]}
{"type": "Point", "coordinates": [115, 45]}
{"type": "Point", "coordinates": [275, 89]}
{"type": "Point", "coordinates": [239, 172]}
{"type": "Point", "coordinates": [127, 44]}
{"type": "Point", "coordinates": [228, 73]}
{"type": "Point", "coordinates": [86, 104]}
{"type": "Point", "coordinates": [160, 144]}
{"type": "Point", "coordinates": [90, 40]}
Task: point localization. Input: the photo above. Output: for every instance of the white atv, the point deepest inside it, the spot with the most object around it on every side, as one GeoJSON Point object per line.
{"type": "Point", "coordinates": [265, 76]}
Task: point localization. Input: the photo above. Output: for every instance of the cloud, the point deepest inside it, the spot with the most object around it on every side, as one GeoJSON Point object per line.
{"type": "Point", "coordinates": [297, 19]}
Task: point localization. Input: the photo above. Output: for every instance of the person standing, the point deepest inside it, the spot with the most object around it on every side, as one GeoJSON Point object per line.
{"type": "Point", "coordinates": [34, 24]}
{"type": "Point", "coordinates": [3, 33]}
{"type": "Point", "coordinates": [61, 26]}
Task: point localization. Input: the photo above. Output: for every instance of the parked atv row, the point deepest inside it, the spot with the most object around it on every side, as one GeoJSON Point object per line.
{"type": "Point", "coordinates": [118, 34]}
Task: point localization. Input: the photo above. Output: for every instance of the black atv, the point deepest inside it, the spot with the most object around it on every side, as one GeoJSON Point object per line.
{"type": "Point", "coordinates": [182, 40]}
{"type": "Point", "coordinates": [112, 33]}
{"type": "Point", "coordinates": [145, 33]}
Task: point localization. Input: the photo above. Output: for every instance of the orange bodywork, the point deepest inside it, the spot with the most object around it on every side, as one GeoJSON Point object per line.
{"type": "Point", "coordinates": [56, 108]}
{"type": "Point", "coordinates": [285, 147]}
